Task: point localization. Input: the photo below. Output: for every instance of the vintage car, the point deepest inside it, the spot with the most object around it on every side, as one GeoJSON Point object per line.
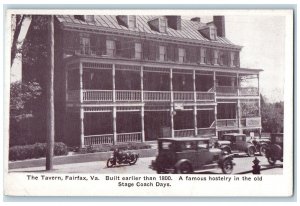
{"type": "Point", "coordinates": [188, 154]}
{"type": "Point", "coordinates": [240, 143]}
{"type": "Point", "coordinates": [274, 151]}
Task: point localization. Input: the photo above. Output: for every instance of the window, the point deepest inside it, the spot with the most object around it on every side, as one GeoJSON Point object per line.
{"type": "Point", "coordinates": [84, 45]}
{"type": "Point", "coordinates": [203, 55]}
{"type": "Point", "coordinates": [138, 50]}
{"type": "Point", "coordinates": [181, 55]}
{"type": "Point", "coordinates": [221, 58]}
{"type": "Point", "coordinates": [131, 21]}
{"type": "Point", "coordinates": [162, 53]}
{"type": "Point", "coordinates": [110, 47]}
{"type": "Point", "coordinates": [213, 33]}
{"type": "Point", "coordinates": [162, 25]}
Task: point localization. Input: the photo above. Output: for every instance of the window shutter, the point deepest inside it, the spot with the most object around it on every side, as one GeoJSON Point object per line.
{"type": "Point", "coordinates": [102, 44]}
{"type": "Point", "coordinates": [118, 51]}
{"type": "Point", "coordinates": [145, 48]}
{"type": "Point", "coordinates": [170, 52]}
{"type": "Point", "coordinates": [176, 53]}
{"type": "Point", "coordinates": [93, 41]}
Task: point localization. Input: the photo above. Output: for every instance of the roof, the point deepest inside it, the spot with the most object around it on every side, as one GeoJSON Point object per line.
{"type": "Point", "coordinates": [189, 29]}
{"type": "Point", "coordinates": [180, 139]}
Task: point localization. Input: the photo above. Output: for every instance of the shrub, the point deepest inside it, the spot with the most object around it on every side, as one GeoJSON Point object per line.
{"type": "Point", "coordinates": [107, 148]}
{"type": "Point", "coordinates": [37, 150]}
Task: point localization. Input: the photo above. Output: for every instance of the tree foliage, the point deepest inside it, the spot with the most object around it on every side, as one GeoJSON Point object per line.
{"type": "Point", "coordinates": [272, 115]}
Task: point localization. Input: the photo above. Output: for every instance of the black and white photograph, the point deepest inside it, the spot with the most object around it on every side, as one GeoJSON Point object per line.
{"type": "Point", "coordinates": [149, 100]}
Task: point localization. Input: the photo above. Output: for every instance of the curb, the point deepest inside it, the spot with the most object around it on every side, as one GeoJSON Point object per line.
{"type": "Point", "coordinates": [262, 169]}
{"type": "Point", "coordinates": [78, 158]}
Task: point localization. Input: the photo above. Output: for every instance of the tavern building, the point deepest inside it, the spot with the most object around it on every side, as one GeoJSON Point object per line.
{"type": "Point", "coordinates": [138, 78]}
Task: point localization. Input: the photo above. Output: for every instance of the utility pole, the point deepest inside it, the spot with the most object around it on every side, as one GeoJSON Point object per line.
{"type": "Point", "coordinates": [50, 96]}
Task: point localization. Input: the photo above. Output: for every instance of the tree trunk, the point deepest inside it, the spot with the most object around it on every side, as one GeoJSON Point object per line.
{"type": "Point", "coordinates": [50, 97]}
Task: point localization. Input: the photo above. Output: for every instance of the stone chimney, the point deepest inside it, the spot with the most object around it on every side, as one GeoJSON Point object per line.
{"type": "Point", "coordinates": [196, 19]}
{"type": "Point", "coordinates": [174, 22]}
{"type": "Point", "coordinates": [219, 21]}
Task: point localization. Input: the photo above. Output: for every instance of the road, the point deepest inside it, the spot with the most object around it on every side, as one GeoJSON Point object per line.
{"type": "Point", "coordinates": [243, 163]}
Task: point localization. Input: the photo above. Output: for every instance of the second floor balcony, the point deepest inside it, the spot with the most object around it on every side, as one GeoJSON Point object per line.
{"type": "Point", "coordinates": [137, 96]}
{"type": "Point", "coordinates": [236, 91]}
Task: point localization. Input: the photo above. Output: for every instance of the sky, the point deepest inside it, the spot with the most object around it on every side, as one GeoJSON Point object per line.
{"type": "Point", "coordinates": [263, 40]}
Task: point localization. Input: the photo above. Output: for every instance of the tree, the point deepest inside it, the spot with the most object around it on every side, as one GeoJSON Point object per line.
{"type": "Point", "coordinates": [50, 98]}
{"type": "Point", "coordinates": [22, 97]}
{"type": "Point", "coordinates": [272, 116]}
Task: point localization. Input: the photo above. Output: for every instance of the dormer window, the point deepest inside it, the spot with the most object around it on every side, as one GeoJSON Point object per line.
{"type": "Point", "coordinates": [213, 33]}
{"type": "Point", "coordinates": [209, 31]}
{"type": "Point", "coordinates": [159, 24]}
{"type": "Point", "coordinates": [127, 20]}
{"type": "Point", "coordinates": [163, 25]}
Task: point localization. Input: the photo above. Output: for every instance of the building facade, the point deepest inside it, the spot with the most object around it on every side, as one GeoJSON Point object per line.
{"type": "Point", "coordinates": [138, 78]}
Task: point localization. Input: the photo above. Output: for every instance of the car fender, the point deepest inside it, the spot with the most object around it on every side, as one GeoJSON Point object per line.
{"type": "Point", "coordinates": [225, 146]}
{"type": "Point", "coordinates": [182, 161]}
{"type": "Point", "coordinates": [250, 145]}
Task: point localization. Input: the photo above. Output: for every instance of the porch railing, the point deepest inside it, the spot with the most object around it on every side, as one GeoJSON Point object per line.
{"type": "Point", "coordinates": [128, 95]}
{"type": "Point", "coordinates": [226, 90]}
{"type": "Point", "coordinates": [136, 95]}
{"type": "Point", "coordinates": [184, 133]}
{"type": "Point", "coordinates": [205, 96]}
{"type": "Point", "coordinates": [206, 131]}
{"type": "Point", "coordinates": [184, 96]}
{"type": "Point", "coordinates": [248, 91]}
{"type": "Point", "coordinates": [129, 137]}
{"type": "Point", "coordinates": [157, 95]}
{"type": "Point", "coordinates": [233, 91]}
{"type": "Point", "coordinates": [98, 139]}
{"type": "Point", "coordinates": [97, 95]}
{"type": "Point", "coordinates": [227, 123]}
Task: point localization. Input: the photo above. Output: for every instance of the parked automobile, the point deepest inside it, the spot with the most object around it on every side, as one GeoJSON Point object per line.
{"type": "Point", "coordinates": [237, 143]}
{"type": "Point", "coordinates": [274, 151]}
{"type": "Point", "coordinates": [188, 154]}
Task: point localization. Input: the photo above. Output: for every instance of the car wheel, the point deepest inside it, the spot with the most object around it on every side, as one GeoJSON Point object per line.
{"type": "Point", "coordinates": [251, 151]}
{"type": "Point", "coordinates": [184, 168]}
{"type": "Point", "coordinates": [227, 166]}
{"type": "Point", "coordinates": [262, 150]}
{"type": "Point", "coordinates": [271, 160]}
{"type": "Point", "coordinates": [110, 162]}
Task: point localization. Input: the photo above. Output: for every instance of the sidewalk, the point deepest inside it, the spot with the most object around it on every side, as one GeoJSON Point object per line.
{"type": "Point", "coordinates": [76, 158]}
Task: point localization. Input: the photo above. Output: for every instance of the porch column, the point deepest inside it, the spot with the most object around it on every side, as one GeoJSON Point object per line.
{"type": "Point", "coordinates": [81, 107]}
{"type": "Point", "coordinates": [259, 103]}
{"type": "Point", "coordinates": [238, 84]}
{"type": "Point", "coordinates": [114, 105]}
{"type": "Point", "coordinates": [66, 82]}
{"type": "Point", "coordinates": [115, 124]}
{"type": "Point", "coordinates": [195, 101]}
{"type": "Point", "coordinates": [239, 115]}
{"type": "Point", "coordinates": [215, 90]}
{"type": "Point", "coordinates": [114, 83]}
{"type": "Point", "coordinates": [81, 127]}
{"type": "Point", "coordinates": [172, 103]}
{"type": "Point", "coordinates": [142, 100]}
{"type": "Point", "coordinates": [80, 82]}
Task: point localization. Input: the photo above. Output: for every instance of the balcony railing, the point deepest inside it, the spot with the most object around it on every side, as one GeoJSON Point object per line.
{"type": "Point", "coordinates": [226, 91]}
{"type": "Point", "coordinates": [129, 137]}
{"type": "Point", "coordinates": [109, 138]}
{"type": "Point", "coordinates": [136, 95]}
{"type": "Point", "coordinates": [184, 133]}
{"type": "Point", "coordinates": [183, 96]}
{"type": "Point", "coordinates": [157, 95]}
{"type": "Point", "coordinates": [128, 95]}
{"type": "Point", "coordinates": [234, 91]}
{"type": "Point", "coordinates": [95, 95]}
{"type": "Point", "coordinates": [248, 91]}
{"type": "Point", "coordinates": [227, 123]}
{"type": "Point", "coordinates": [99, 139]}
